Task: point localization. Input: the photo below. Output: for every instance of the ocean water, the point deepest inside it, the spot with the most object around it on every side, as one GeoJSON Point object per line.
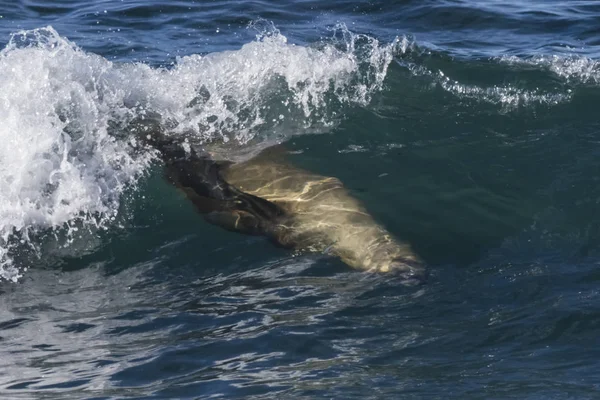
{"type": "Point", "coordinates": [468, 128]}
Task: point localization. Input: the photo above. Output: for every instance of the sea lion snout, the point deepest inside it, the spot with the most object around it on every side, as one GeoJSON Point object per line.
{"type": "Point", "coordinates": [412, 272]}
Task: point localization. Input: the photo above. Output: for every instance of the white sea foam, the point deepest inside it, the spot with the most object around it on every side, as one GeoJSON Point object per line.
{"type": "Point", "coordinates": [66, 158]}
{"type": "Point", "coordinates": [506, 96]}
{"type": "Point", "coordinates": [58, 164]}
{"type": "Point", "coordinates": [577, 69]}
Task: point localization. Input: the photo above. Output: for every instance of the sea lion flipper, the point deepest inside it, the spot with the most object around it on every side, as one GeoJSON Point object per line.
{"type": "Point", "coordinates": [236, 221]}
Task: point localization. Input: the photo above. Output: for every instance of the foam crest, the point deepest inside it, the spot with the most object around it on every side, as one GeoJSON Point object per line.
{"type": "Point", "coordinates": [577, 69]}
{"type": "Point", "coordinates": [269, 89]}
{"type": "Point", "coordinates": [506, 96]}
{"type": "Point", "coordinates": [68, 155]}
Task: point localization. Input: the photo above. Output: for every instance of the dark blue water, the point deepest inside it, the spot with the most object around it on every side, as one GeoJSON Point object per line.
{"type": "Point", "coordinates": [469, 129]}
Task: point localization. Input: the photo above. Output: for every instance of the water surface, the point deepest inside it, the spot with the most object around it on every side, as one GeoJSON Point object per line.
{"type": "Point", "coordinates": [467, 128]}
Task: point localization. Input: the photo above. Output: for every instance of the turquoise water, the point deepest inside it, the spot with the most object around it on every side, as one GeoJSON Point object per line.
{"type": "Point", "coordinates": [467, 128]}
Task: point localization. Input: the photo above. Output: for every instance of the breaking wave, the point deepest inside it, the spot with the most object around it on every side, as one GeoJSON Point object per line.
{"type": "Point", "coordinates": [68, 155]}
{"type": "Point", "coordinates": [71, 119]}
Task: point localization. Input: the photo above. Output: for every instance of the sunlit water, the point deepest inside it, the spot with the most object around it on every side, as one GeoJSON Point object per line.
{"type": "Point", "coordinates": [467, 128]}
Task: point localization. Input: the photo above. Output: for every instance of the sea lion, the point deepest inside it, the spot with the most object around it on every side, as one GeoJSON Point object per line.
{"type": "Point", "coordinates": [294, 208]}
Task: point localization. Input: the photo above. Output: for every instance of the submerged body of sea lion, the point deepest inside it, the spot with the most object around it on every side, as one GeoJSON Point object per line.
{"type": "Point", "coordinates": [293, 207]}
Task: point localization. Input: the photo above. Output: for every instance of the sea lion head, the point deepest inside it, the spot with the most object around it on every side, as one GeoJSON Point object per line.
{"type": "Point", "coordinates": [391, 256]}
{"type": "Point", "coordinates": [410, 271]}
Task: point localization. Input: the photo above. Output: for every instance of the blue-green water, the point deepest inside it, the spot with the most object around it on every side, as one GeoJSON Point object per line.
{"type": "Point", "coordinates": [468, 129]}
